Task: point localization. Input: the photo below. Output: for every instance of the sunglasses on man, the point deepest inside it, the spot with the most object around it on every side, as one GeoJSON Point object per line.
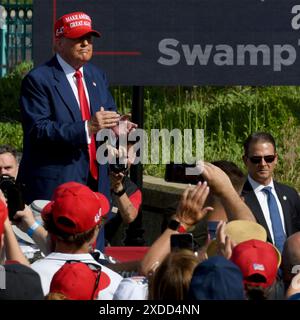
{"type": "Point", "coordinates": [258, 159]}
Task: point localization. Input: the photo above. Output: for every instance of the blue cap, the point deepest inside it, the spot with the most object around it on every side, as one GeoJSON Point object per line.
{"type": "Point", "coordinates": [217, 279]}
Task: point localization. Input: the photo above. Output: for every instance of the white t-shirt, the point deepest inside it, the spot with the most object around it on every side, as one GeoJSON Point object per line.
{"type": "Point", "coordinates": [48, 266]}
{"type": "Point", "coordinates": [133, 288]}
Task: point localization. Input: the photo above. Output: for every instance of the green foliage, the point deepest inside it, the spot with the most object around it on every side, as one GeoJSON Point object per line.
{"type": "Point", "coordinates": [12, 134]}
{"type": "Point", "coordinates": [13, 2]}
{"type": "Point", "coordinates": [227, 115]}
{"type": "Point", "coordinates": [10, 87]}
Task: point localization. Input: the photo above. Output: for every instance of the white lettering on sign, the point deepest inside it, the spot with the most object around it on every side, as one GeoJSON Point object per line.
{"type": "Point", "coordinates": [276, 56]}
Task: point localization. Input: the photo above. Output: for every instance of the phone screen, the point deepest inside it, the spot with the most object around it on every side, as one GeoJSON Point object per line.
{"type": "Point", "coordinates": [212, 228]}
{"type": "Point", "coordinates": [182, 241]}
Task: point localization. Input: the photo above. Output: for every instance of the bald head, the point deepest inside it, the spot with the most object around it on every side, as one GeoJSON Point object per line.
{"type": "Point", "coordinates": [291, 256]}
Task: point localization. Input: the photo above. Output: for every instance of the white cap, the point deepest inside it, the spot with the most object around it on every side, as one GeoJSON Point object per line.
{"type": "Point", "coordinates": [37, 207]}
{"type": "Point", "coordinates": [133, 288]}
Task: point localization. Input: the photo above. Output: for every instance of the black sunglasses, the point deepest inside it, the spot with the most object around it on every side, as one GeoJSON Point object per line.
{"type": "Point", "coordinates": [94, 267]}
{"type": "Point", "coordinates": [258, 159]}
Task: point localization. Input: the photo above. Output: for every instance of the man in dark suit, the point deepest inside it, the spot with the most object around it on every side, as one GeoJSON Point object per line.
{"type": "Point", "coordinates": [64, 103]}
{"type": "Point", "coordinates": [260, 158]}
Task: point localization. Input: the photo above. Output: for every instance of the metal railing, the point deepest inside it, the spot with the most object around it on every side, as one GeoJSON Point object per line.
{"type": "Point", "coordinates": [15, 33]}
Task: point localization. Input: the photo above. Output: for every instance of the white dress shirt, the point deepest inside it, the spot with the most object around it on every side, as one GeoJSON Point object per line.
{"type": "Point", "coordinates": [263, 201]}
{"type": "Point", "coordinates": [69, 72]}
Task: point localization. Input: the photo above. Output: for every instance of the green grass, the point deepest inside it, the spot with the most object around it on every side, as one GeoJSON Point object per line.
{"type": "Point", "coordinates": [11, 133]}
{"type": "Point", "coordinates": [227, 115]}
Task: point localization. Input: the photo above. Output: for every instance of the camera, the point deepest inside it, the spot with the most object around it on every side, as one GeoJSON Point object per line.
{"type": "Point", "coordinates": [13, 194]}
{"type": "Point", "coordinates": [118, 167]}
{"type": "Point", "coordinates": [177, 173]}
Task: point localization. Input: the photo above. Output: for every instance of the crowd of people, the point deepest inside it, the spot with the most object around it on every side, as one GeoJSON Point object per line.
{"type": "Point", "coordinates": [252, 222]}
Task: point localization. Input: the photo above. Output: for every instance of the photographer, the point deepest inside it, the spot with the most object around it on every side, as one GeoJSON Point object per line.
{"type": "Point", "coordinates": [11, 251]}
{"type": "Point", "coordinates": [126, 197]}
{"type": "Point", "coordinates": [8, 172]}
{"type": "Point", "coordinates": [13, 193]}
{"type": "Point", "coordinates": [18, 281]}
{"type": "Point", "coordinates": [8, 161]}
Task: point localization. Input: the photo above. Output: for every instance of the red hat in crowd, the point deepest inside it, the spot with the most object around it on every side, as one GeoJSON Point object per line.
{"type": "Point", "coordinates": [3, 216]}
{"type": "Point", "coordinates": [79, 281]}
{"type": "Point", "coordinates": [75, 208]}
{"type": "Point", "coordinates": [74, 25]}
{"type": "Point", "coordinates": [258, 261]}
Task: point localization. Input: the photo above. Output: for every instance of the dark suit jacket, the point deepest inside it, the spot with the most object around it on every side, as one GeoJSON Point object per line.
{"type": "Point", "coordinates": [54, 146]}
{"type": "Point", "coordinates": [290, 202]}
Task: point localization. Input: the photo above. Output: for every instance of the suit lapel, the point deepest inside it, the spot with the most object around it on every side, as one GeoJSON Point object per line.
{"type": "Point", "coordinates": [285, 208]}
{"type": "Point", "coordinates": [92, 89]}
{"type": "Point", "coordinates": [252, 202]}
{"type": "Point", "coordinates": [65, 91]}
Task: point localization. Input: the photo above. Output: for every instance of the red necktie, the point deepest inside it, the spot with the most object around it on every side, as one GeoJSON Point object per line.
{"type": "Point", "coordinates": [85, 112]}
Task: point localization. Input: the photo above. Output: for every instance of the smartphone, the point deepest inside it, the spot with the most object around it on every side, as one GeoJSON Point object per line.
{"type": "Point", "coordinates": [177, 173]}
{"type": "Point", "coordinates": [212, 229]}
{"type": "Point", "coordinates": [182, 241]}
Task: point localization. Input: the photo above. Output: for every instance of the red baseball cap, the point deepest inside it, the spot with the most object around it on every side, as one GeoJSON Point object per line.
{"type": "Point", "coordinates": [256, 257]}
{"type": "Point", "coordinates": [74, 25]}
{"type": "Point", "coordinates": [3, 216]}
{"type": "Point", "coordinates": [75, 208]}
{"type": "Point", "coordinates": [79, 281]}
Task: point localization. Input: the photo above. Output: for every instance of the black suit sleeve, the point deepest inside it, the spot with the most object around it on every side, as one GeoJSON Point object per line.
{"type": "Point", "coordinates": [296, 213]}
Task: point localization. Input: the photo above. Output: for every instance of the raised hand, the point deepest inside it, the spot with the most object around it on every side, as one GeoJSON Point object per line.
{"type": "Point", "coordinates": [216, 178]}
{"type": "Point", "coordinates": [224, 244]}
{"type": "Point", "coordinates": [191, 207]}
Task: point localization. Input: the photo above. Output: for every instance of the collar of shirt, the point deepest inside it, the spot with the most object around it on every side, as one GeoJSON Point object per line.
{"type": "Point", "coordinates": [257, 187]}
{"type": "Point", "coordinates": [69, 72]}
{"type": "Point", "coordinates": [84, 257]}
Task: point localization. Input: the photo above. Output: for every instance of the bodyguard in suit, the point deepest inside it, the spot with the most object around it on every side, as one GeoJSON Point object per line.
{"type": "Point", "coordinates": [276, 206]}
{"type": "Point", "coordinates": [64, 103]}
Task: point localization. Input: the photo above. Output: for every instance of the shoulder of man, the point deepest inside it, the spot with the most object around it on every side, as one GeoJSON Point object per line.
{"type": "Point", "coordinates": [132, 288]}
{"type": "Point", "coordinates": [285, 188]}
{"type": "Point", "coordinates": [93, 69]}
{"type": "Point", "coordinates": [246, 188]}
{"type": "Point", "coordinates": [40, 72]}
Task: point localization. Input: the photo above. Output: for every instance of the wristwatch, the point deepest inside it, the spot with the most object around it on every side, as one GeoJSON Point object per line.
{"type": "Point", "coordinates": [119, 193]}
{"type": "Point", "coordinates": [177, 226]}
